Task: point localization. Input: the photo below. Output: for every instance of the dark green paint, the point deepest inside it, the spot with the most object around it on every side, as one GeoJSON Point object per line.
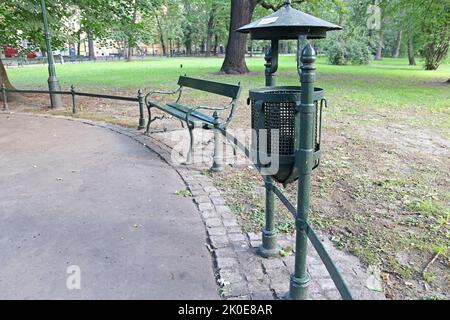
{"type": "Point", "coordinates": [53, 83]}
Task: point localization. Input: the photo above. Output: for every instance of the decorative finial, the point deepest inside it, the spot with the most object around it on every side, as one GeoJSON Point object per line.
{"type": "Point", "coordinates": [287, 2]}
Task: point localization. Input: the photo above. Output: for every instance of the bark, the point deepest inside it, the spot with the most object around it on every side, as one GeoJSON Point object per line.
{"type": "Point", "coordinates": [210, 29]}
{"type": "Point", "coordinates": [130, 38]}
{"type": "Point", "coordinates": [411, 58]}
{"type": "Point", "coordinates": [79, 44]}
{"type": "Point", "coordinates": [398, 44]}
{"type": "Point", "coordinates": [161, 35]}
{"type": "Point", "coordinates": [125, 49]}
{"type": "Point", "coordinates": [216, 44]}
{"type": "Point", "coordinates": [188, 45]}
{"type": "Point", "coordinates": [91, 46]}
{"type": "Point", "coordinates": [5, 80]}
{"type": "Point", "coordinates": [380, 45]}
{"type": "Point", "coordinates": [241, 14]}
{"type": "Point", "coordinates": [434, 53]}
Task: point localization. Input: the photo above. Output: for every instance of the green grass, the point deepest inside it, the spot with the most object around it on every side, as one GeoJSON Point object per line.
{"type": "Point", "coordinates": [390, 83]}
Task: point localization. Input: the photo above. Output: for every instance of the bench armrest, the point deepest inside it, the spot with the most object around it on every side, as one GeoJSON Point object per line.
{"type": "Point", "coordinates": [156, 92]}
{"type": "Point", "coordinates": [219, 108]}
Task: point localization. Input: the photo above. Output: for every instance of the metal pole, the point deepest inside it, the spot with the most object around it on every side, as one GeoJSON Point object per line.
{"type": "Point", "coordinates": [217, 165]}
{"type": "Point", "coordinates": [53, 83]}
{"type": "Point", "coordinates": [74, 106]}
{"type": "Point", "coordinates": [4, 98]}
{"type": "Point", "coordinates": [271, 64]}
{"type": "Point", "coordinates": [141, 110]}
{"type": "Point", "coordinates": [304, 162]}
{"type": "Point", "coordinates": [269, 247]}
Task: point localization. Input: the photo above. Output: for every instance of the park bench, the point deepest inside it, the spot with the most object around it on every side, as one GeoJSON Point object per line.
{"type": "Point", "coordinates": [190, 114]}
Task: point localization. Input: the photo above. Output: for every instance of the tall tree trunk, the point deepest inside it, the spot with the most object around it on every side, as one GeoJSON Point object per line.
{"type": "Point", "coordinates": [379, 53]}
{"type": "Point", "coordinates": [130, 37]}
{"type": "Point", "coordinates": [79, 43]}
{"type": "Point", "coordinates": [5, 80]}
{"type": "Point", "coordinates": [91, 46]}
{"type": "Point", "coordinates": [216, 43]}
{"type": "Point", "coordinates": [125, 49]}
{"type": "Point", "coordinates": [188, 45]}
{"type": "Point", "coordinates": [241, 14]}
{"type": "Point", "coordinates": [210, 29]}
{"type": "Point", "coordinates": [161, 35]}
{"type": "Point", "coordinates": [398, 44]}
{"type": "Point", "coordinates": [435, 52]}
{"type": "Point", "coordinates": [411, 58]}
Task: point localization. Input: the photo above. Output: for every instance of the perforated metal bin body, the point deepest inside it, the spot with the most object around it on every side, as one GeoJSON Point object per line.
{"type": "Point", "coordinates": [278, 107]}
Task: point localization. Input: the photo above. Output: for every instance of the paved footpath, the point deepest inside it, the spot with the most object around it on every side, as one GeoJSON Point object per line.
{"type": "Point", "coordinates": [72, 194]}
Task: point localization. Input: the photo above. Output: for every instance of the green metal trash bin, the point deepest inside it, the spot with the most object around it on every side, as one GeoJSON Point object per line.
{"type": "Point", "coordinates": [274, 111]}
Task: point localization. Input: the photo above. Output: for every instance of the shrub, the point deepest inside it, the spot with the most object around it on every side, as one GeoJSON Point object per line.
{"type": "Point", "coordinates": [348, 49]}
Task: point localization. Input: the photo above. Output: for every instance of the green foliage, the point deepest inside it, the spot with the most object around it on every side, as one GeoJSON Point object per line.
{"type": "Point", "coordinates": [348, 48]}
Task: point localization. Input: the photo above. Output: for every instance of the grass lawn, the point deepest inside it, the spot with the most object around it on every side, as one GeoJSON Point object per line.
{"type": "Point", "coordinates": [390, 82]}
{"type": "Point", "coordinates": [382, 190]}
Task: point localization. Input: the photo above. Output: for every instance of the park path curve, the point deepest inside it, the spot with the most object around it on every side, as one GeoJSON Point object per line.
{"type": "Point", "coordinates": [76, 194]}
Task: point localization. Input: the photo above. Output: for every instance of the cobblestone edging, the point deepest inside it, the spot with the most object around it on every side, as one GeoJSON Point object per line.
{"type": "Point", "coordinates": [240, 272]}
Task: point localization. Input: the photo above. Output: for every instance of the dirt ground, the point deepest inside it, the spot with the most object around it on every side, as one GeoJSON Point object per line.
{"type": "Point", "coordinates": [382, 191]}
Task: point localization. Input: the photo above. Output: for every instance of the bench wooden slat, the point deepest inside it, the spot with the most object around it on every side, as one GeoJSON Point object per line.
{"type": "Point", "coordinates": [224, 89]}
{"type": "Point", "coordinates": [196, 114]}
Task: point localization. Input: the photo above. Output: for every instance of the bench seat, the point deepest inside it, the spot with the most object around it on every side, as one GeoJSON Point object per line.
{"type": "Point", "coordinates": [192, 115]}
{"type": "Point", "coordinates": [197, 119]}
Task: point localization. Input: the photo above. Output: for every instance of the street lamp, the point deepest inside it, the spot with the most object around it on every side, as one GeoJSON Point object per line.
{"type": "Point", "coordinates": [53, 83]}
{"type": "Point", "coordinates": [291, 119]}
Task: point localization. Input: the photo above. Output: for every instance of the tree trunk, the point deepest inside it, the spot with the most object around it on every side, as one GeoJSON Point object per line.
{"type": "Point", "coordinates": [91, 46]}
{"type": "Point", "coordinates": [379, 53]}
{"type": "Point", "coordinates": [130, 37]}
{"type": "Point", "coordinates": [79, 44]}
{"type": "Point", "coordinates": [435, 52]}
{"type": "Point", "coordinates": [411, 58]}
{"type": "Point", "coordinates": [188, 45]}
{"type": "Point", "coordinates": [241, 14]}
{"type": "Point", "coordinates": [161, 36]}
{"type": "Point", "coordinates": [216, 44]}
{"type": "Point", "coordinates": [210, 29]}
{"type": "Point", "coordinates": [5, 80]}
{"type": "Point", "coordinates": [398, 44]}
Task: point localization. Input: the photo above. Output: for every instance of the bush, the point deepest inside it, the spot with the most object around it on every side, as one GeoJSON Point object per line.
{"type": "Point", "coordinates": [349, 49]}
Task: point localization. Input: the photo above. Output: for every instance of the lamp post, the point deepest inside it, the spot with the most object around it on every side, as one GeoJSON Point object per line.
{"type": "Point", "coordinates": [291, 119]}
{"type": "Point", "coordinates": [53, 83]}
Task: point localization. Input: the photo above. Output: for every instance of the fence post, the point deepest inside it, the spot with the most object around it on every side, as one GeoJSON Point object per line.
{"type": "Point", "coordinates": [140, 97]}
{"type": "Point", "coordinates": [74, 106]}
{"type": "Point", "coordinates": [4, 98]}
{"type": "Point", "coordinates": [304, 161]}
{"type": "Point", "coordinates": [217, 165]}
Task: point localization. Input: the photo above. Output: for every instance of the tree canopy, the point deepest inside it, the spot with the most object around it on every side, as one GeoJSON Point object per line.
{"type": "Point", "coordinates": [399, 27]}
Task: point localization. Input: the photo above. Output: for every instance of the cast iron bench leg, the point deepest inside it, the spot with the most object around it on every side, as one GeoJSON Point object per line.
{"type": "Point", "coordinates": [190, 154]}
{"type": "Point", "coordinates": [217, 165]}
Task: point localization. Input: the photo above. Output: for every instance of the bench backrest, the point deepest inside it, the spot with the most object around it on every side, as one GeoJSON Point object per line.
{"type": "Point", "coordinates": [224, 89]}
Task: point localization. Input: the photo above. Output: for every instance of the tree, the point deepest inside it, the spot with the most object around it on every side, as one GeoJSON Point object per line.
{"type": "Point", "coordinates": [241, 14]}
{"type": "Point", "coordinates": [427, 22]}
{"type": "Point", "coordinates": [22, 27]}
